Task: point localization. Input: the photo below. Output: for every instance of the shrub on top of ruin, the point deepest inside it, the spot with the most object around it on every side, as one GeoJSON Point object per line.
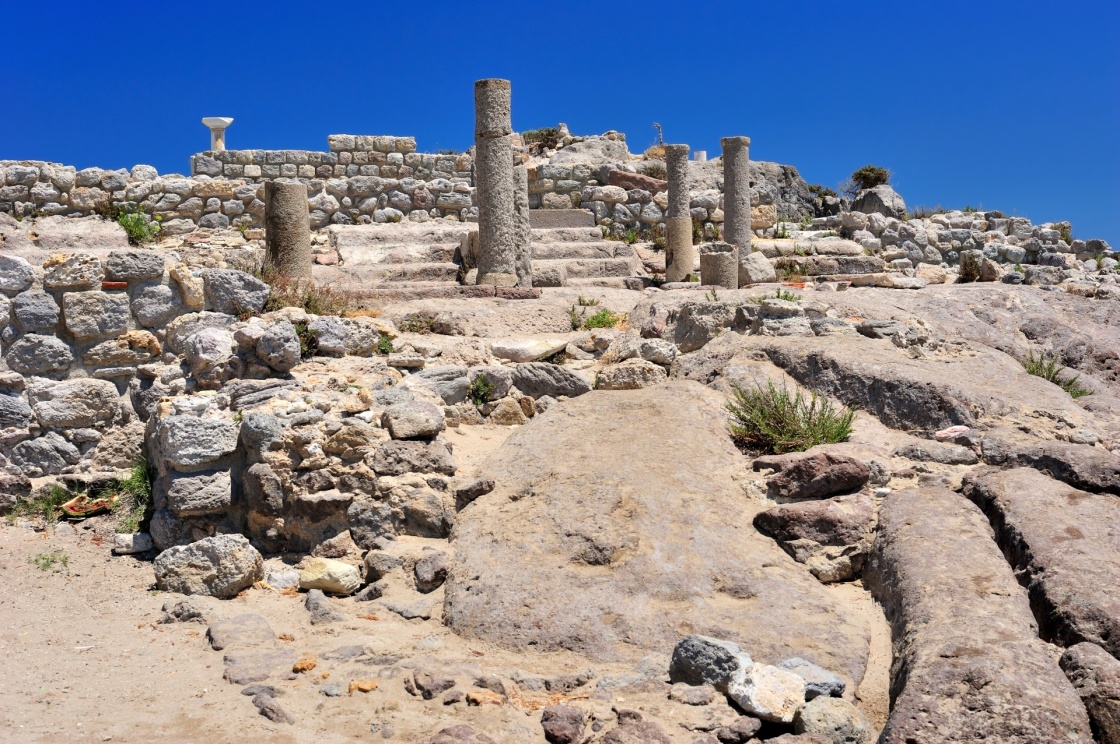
{"type": "Point", "coordinates": [1049, 368]}
{"type": "Point", "coordinates": [820, 191]}
{"type": "Point", "coordinates": [581, 321]}
{"type": "Point", "coordinates": [655, 169]}
{"type": "Point", "coordinates": [480, 390]}
{"type": "Point", "coordinates": [870, 176]}
{"type": "Point", "coordinates": [545, 137]}
{"type": "Point", "coordinates": [774, 420]}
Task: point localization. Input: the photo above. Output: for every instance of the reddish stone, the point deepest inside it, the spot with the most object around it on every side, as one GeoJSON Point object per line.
{"type": "Point", "coordinates": [629, 181]}
{"type": "Point", "coordinates": [326, 259]}
{"type": "Point", "coordinates": [106, 286]}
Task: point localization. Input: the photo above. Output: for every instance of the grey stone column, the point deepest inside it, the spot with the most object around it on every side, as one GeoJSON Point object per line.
{"type": "Point", "coordinates": [680, 256]}
{"type": "Point", "coordinates": [737, 197]}
{"type": "Point", "coordinates": [523, 243]}
{"type": "Point", "coordinates": [494, 184]}
{"type": "Point", "coordinates": [719, 265]}
{"type": "Point", "coordinates": [287, 229]}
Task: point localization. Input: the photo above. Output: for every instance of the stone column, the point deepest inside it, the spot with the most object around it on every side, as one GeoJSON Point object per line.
{"type": "Point", "coordinates": [737, 198]}
{"type": "Point", "coordinates": [719, 265]}
{"type": "Point", "coordinates": [680, 256]}
{"type": "Point", "coordinates": [494, 184]}
{"type": "Point", "coordinates": [523, 242]}
{"type": "Point", "coordinates": [700, 156]}
{"type": "Point", "coordinates": [217, 126]}
{"type": "Point", "coordinates": [287, 229]}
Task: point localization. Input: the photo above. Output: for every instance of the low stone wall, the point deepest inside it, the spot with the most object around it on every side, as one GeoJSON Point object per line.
{"type": "Point", "coordinates": [91, 345]}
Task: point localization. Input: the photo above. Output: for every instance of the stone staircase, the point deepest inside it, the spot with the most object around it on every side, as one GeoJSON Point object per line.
{"type": "Point", "coordinates": [402, 261]}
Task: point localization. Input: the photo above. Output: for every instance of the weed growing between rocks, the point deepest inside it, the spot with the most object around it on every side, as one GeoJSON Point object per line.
{"type": "Point", "coordinates": [135, 498]}
{"type": "Point", "coordinates": [772, 420]}
{"type": "Point", "coordinates": [384, 344]}
{"type": "Point", "coordinates": [317, 299]}
{"type": "Point", "coordinates": [46, 506]}
{"type": "Point", "coordinates": [48, 561]}
{"type": "Point", "coordinates": [139, 227]}
{"type": "Point", "coordinates": [603, 319]}
{"type": "Point", "coordinates": [1050, 368]}
{"type": "Point", "coordinates": [417, 323]}
{"type": "Point", "coordinates": [480, 390]}
{"type": "Point", "coordinates": [782, 294]}
{"type": "Point", "coordinates": [308, 340]}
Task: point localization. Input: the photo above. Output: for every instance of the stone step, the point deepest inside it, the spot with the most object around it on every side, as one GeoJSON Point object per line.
{"type": "Point", "coordinates": [408, 292]}
{"type": "Point", "coordinates": [605, 249]}
{"type": "Point", "coordinates": [582, 268]}
{"type": "Point", "coordinates": [436, 232]}
{"type": "Point", "coordinates": [398, 253]}
{"type": "Point", "coordinates": [637, 283]}
{"type": "Point", "coordinates": [372, 274]}
{"type": "Point", "coordinates": [568, 235]}
{"type": "Point", "coordinates": [561, 218]}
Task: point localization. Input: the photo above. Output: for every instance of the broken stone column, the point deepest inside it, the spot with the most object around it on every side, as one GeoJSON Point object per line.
{"type": "Point", "coordinates": [217, 126]}
{"type": "Point", "coordinates": [680, 256]}
{"type": "Point", "coordinates": [287, 229]}
{"type": "Point", "coordinates": [737, 198]}
{"type": "Point", "coordinates": [523, 242]}
{"type": "Point", "coordinates": [719, 265]}
{"type": "Point", "coordinates": [494, 182]}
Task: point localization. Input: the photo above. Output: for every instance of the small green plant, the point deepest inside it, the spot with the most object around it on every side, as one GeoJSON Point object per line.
{"type": "Point", "coordinates": [384, 344]}
{"type": "Point", "coordinates": [480, 390]}
{"type": "Point", "coordinates": [545, 137]}
{"type": "Point", "coordinates": [308, 339]}
{"type": "Point", "coordinates": [711, 295]}
{"type": "Point", "coordinates": [139, 228]}
{"type": "Point", "coordinates": [134, 496]}
{"type": "Point", "coordinates": [771, 419]}
{"type": "Point", "coordinates": [820, 191]}
{"type": "Point", "coordinates": [1066, 234]}
{"type": "Point", "coordinates": [587, 302]}
{"type": "Point", "coordinates": [968, 209]}
{"type": "Point", "coordinates": [243, 227]}
{"type": "Point", "coordinates": [631, 236]}
{"type": "Point", "coordinates": [1049, 368]}
{"type": "Point", "coordinates": [870, 176]}
{"type": "Point", "coordinates": [1018, 268]}
{"type": "Point", "coordinates": [697, 231]}
{"type": "Point", "coordinates": [46, 506]}
{"type": "Point", "coordinates": [48, 561]}
{"type": "Point", "coordinates": [418, 323]}
{"type": "Point", "coordinates": [576, 317]}
{"type": "Point", "coordinates": [238, 417]}
{"type": "Point", "coordinates": [782, 294]}
{"type": "Point", "coordinates": [806, 221]}
{"type": "Point", "coordinates": [603, 319]}
{"type": "Point", "coordinates": [781, 231]}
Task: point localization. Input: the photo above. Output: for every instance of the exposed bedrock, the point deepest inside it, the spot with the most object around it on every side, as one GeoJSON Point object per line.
{"type": "Point", "coordinates": [968, 663]}
{"type": "Point", "coordinates": [1064, 545]}
{"type": "Point", "coordinates": [590, 544]}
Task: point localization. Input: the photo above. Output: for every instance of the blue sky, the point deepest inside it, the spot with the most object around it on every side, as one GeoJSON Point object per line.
{"type": "Point", "coordinates": [1004, 105]}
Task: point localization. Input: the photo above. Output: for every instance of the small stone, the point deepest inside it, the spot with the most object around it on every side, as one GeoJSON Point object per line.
{"type": "Point", "coordinates": [430, 687]}
{"type": "Point", "coordinates": [701, 660]}
{"type": "Point", "coordinates": [241, 630]}
{"type": "Point", "coordinates": [328, 575]}
{"type": "Point", "coordinates": [180, 611]}
{"type": "Point", "coordinates": [331, 689]}
{"type": "Point", "coordinates": [305, 663]}
{"type": "Point", "coordinates": [690, 695]}
{"type": "Point", "coordinates": [563, 724]}
{"type": "Point", "coordinates": [770, 693]}
{"type": "Point", "coordinates": [632, 374]}
{"type": "Point", "coordinates": [220, 566]}
{"type": "Point", "coordinates": [431, 571]}
{"type": "Point", "coordinates": [836, 719]}
{"type": "Point", "coordinates": [72, 272]}
{"type": "Point", "coordinates": [321, 610]}
{"type": "Point", "coordinates": [125, 544]}
{"type": "Point", "coordinates": [39, 355]}
{"type": "Point", "coordinates": [362, 685]}
{"type": "Point", "coordinates": [271, 709]}
{"type": "Point", "coordinates": [234, 292]}
{"type": "Point", "coordinates": [413, 420]}
{"type": "Point", "coordinates": [819, 682]}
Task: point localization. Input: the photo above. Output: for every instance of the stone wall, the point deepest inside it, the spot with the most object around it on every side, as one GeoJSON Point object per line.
{"type": "Point", "coordinates": [91, 345]}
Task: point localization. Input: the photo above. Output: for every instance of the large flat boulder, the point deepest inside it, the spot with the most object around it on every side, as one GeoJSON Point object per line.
{"type": "Point", "coordinates": [615, 529]}
{"type": "Point", "coordinates": [1065, 543]}
{"type": "Point", "coordinates": [968, 663]}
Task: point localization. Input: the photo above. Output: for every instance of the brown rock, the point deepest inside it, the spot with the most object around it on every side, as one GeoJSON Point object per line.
{"type": "Point", "coordinates": [637, 549]}
{"type": "Point", "coordinates": [1081, 466]}
{"type": "Point", "coordinates": [628, 181]}
{"type": "Point", "coordinates": [968, 661]}
{"type": "Point", "coordinates": [562, 724]}
{"type": "Point", "coordinates": [461, 734]}
{"type": "Point", "coordinates": [1096, 676]}
{"type": "Point", "coordinates": [813, 476]}
{"type": "Point", "coordinates": [637, 732]}
{"type": "Point", "coordinates": [844, 520]}
{"type": "Point", "coordinates": [1064, 544]}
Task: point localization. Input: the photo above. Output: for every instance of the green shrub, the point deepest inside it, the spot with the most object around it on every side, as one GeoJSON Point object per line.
{"type": "Point", "coordinates": [308, 340]}
{"type": "Point", "coordinates": [1050, 368]}
{"type": "Point", "coordinates": [782, 294]}
{"type": "Point", "coordinates": [870, 176]}
{"type": "Point", "coordinates": [603, 319]}
{"type": "Point", "coordinates": [418, 323]}
{"type": "Point", "coordinates": [631, 236]}
{"type": "Point", "coordinates": [134, 497]}
{"type": "Point", "coordinates": [587, 302]}
{"type": "Point", "coordinates": [139, 227]}
{"type": "Point", "coordinates": [46, 506]}
{"type": "Point", "coordinates": [654, 169]}
{"type": "Point", "coordinates": [48, 561]}
{"type": "Point", "coordinates": [820, 191]}
{"type": "Point", "coordinates": [384, 344]}
{"type": "Point", "coordinates": [480, 390]}
{"type": "Point", "coordinates": [771, 419]}
{"type": "Point", "coordinates": [544, 137]}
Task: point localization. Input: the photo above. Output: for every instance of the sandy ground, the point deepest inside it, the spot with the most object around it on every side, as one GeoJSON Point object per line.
{"type": "Point", "coordinates": [86, 660]}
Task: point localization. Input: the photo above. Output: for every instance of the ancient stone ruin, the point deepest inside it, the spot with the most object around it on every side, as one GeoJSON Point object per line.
{"type": "Point", "coordinates": [547, 441]}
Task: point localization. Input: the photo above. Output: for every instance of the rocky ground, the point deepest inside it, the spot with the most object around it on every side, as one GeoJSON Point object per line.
{"type": "Point", "coordinates": [467, 521]}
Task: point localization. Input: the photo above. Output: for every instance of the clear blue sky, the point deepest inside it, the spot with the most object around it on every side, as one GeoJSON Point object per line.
{"type": "Point", "coordinates": [1005, 105]}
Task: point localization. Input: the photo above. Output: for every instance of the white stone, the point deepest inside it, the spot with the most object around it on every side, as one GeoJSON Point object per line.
{"type": "Point", "coordinates": [527, 349]}
{"type": "Point", "coordinates": [768, 692]}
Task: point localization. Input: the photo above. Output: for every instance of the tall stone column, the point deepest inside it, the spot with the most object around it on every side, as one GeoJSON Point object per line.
{"type": "Point", "coordinates": [680, 256]}
{"type": "Point", "coordinates": [287, 229]}
{"type": "Point", "coordinates": [737, 198]}
{"type": "Point", "coordinates": [494, 184]}
{"type": "Point", "coordinates": [523, 233]}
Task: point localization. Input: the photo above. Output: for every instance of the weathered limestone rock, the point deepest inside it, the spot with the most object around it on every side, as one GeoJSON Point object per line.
{"type": "Point", "coordinates": [523, 233]}
{"type": "Point", "coordinates": [633, 546]}
{"type": "Point", "coordinates": [188, 443]}
{"type": "Point", "coordinates": [218, 566]}
{"type": "Point", "coordinates": [408, 456]}
{"type": "Point", "coordinates": [39, 355]}
{"type": "Point", "coordinates": [632, 374]}
{"type": "Point", "coordinates": [768, 692]}
{"type": "Point", "coordinates": [737, 203]}
{"type": "Point", "coordinates": [813, 475]}
{"type": "Point", "coordinates": [818, 681]}
{"type": "Point", "coordinates": [1063, 544]}
{"type": "Point", "coordinates": [207, 492]}
{"type": "Point", "coordinates": [16, 274]}
{"type": "Point", "coordinates": [72, 272]}
{"type": "Point", "coordinates": [719, 265]}
{"type": "Point", "coordinates": [234, 292]}
{"type": "Point", "coordinates": [279, 347]}
{"type": "Point", "coordinates": [968, 661]}
{"type": "Point", "coordinates": [1095, 675]}
{"type": "Point", "coordinates": [128, 266]}
{"type": "Point", "coordinates": [190, 286]}
{"type": "Point", "coordinates": [36, 312]}
{"type": "Point", "coordinates": [90, 315]}
{"type": "Point", "coordinates": [838, 720]}
{"type": "Point", "coordinates": [495, 186]}
{"type": "Point", "coordinates": [329, 575]}
{"type": "Point", "coordinates": [882, 200]}
{"type": "Point", "coordinates": [287, 230]}
{"type": "Point", "coordinates": [414, 419]}
{"type": "Point", "coordinates": [538, 379]}
{"type": "Point", "coordinates": [74, 403]}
